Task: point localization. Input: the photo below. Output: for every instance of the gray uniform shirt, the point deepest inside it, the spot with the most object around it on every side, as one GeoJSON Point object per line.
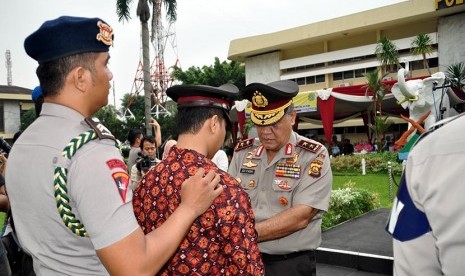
{"type": "Point", "coordinates": [434, 178]}
{"type": "Point", "coordinates": [94, 187]}
{"type": "Point", "coordinates": [299, 174]}
{"type": "Point", "coordinates": [133, 155]}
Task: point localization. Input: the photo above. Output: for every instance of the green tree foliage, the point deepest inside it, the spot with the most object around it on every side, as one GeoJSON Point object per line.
{"type": "Point", "coordinates": [108, 117]}
{"type": "Point", "coordinates": [27, 118]}
{"type": "Point", "coordinates": [456, 72]}
{"type": "Point", "coordinates": [214, 75]}
{"type": "Point", "coordinates": [387, 54]}
{"type": "Point", "coordinates": [135, 103]}
{"type": "Point", "coordinates": [422, 45]}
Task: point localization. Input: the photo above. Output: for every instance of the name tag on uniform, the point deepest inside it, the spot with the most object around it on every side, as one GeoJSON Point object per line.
{"type": "Point", "coordinates": [247, 171]}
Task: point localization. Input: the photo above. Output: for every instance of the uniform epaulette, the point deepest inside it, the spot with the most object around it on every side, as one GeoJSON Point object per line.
{"type": "Point", "coordinates": [101, 131]}
{"type": "Point", "coordinates": [244, 144]}
{"type": "Point", "coordinates": [308, 145]}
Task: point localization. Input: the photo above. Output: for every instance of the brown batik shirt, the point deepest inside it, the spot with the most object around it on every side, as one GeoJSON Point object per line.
{"type": "Point", "coordinates": [222, 241]}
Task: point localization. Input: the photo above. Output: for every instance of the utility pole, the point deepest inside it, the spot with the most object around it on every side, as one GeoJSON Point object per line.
{"type": "Point", "coordinates": [8, 67]}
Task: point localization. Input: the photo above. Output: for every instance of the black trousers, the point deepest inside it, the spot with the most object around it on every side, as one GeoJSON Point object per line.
{"type": "Point", "coordinates": [293, 264]}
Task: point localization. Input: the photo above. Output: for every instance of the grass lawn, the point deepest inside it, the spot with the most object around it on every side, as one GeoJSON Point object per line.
{"type": "Point", "coordinates": [2, 218]}
{"type": "Point", "coordinates": [377, 183]}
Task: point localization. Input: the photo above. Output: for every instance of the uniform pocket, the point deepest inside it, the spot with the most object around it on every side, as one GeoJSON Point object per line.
{"type": "Point", "coordinates": [282, 192]}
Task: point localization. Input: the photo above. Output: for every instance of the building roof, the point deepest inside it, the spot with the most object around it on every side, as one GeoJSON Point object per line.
{"type": "Point", "coordinates": [362, 22]}
{"type": "Point", "coordinates": [11, 89]}
{"type": "Point", "coordinates": [11, 92]}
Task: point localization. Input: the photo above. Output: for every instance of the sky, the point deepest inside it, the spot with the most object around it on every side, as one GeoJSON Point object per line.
{"type": "Point", "coordinates": [204, 29]}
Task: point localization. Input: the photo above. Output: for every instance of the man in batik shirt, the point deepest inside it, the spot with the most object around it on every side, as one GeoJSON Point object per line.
{"type": "Point", "coordinates": [223, 240]}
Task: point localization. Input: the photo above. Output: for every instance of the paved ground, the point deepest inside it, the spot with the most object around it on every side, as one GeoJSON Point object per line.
{"type": "Point", "coordinates": [332, 270]}
{"type": "Point", "coordinates": [358, 244]}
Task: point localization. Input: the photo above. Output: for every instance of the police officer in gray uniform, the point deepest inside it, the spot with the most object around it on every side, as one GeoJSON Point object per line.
{"type": "Point", "coordinates": [288, 178]}
{"type": "Point", "coordinates": [427, 220]}
{"type": "Point", "coordinates": [66, 179]}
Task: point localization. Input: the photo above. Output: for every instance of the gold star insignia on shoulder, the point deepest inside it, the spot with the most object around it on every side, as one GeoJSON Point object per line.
{"type": "Point", "coordinates": [310, 146]}
{"type": "Point", "coordinates": [244, 144]}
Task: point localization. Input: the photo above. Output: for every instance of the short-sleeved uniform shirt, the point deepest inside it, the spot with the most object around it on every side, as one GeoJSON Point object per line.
{"type": "Point", "coordinates": [222, 241]}
{"type": "Point", "coordinates": [300, 173]}
{"type": "Point", "coordinates": [97, 187]}
{"type": "Point", "coordinates": [427, 218]}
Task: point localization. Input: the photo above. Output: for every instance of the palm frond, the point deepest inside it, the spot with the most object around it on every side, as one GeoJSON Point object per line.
{"type": "Point", "coordinates": [123, 10]}
{"type": "Point", "coordinates": [171, 10]}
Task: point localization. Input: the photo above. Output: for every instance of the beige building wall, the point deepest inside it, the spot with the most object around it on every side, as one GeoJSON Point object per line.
{"type": "Point", "coordinates": [330, 44]}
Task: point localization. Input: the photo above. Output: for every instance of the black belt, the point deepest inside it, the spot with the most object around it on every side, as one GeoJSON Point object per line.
{"type": "Point", "coordinates": [276, 258]}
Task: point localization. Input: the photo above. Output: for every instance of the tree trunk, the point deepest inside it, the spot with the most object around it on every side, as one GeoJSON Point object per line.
{"type": "Point", "coordinates": [147, 83]}
{"type": "Point", "coordinates": [425, 64]}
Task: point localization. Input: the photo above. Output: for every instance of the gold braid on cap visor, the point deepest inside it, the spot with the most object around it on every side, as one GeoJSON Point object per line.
{"type": "Point", "coordinates": [268, 117]}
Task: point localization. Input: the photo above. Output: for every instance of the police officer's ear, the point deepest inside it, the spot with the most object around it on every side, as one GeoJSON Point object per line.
{"type": "Point", "coordinates": [80, 78]}
{"type": "Point", "coordinates": [292, 116]}
{"type": "Point", "coordinates": [214, 123]}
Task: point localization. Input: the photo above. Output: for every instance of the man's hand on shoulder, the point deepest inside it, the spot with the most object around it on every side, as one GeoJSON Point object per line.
{"type": "Point", "coordinates": [199, 191]}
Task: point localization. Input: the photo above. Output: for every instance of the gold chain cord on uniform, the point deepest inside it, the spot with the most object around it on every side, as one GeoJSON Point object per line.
{"type": "Point", "coordinates": [60, 179]}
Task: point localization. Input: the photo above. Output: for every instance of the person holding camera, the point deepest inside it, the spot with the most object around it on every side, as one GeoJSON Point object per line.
{"type": "Point", "coordinates": [147, 159]}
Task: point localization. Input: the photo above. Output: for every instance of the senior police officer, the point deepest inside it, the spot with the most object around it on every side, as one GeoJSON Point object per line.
{"type": "Point", "coordinates": [72, 207]}
{"type": "Point", "coordinates": [288, 178]}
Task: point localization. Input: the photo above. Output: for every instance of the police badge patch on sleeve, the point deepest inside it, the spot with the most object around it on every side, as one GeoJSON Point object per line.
{"type": "Point", "coordinates": [122, 182]}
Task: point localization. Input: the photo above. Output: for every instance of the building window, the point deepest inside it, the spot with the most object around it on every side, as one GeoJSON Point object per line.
{"type": "Point", "coordinates": [337, 76]}
{"type": "Point", "coordinates": [359, 73]}
{"type": "Point", "coordinates": [433, 62]}
{"type": "Point", "coordinates": [348, 74]}
{"type": "Point", "coordinates": [320, 78]}
{"type": "Point", "coordinates": [310, 80]}
{"type": "Point", "coordinates": [416, 65]}
{"type": "Point", "coordinates": [370, 69]}
{"type": "Point", "coordinates": [300, 81]}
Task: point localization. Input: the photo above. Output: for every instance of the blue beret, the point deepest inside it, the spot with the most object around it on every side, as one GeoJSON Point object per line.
{"type": "Point", "coordinates": [66, 36]}
{"type": "Point", "coordinates": [36, 93]}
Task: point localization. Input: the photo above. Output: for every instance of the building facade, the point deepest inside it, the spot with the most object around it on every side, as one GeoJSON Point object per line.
{"type": "Point", "coordinates": [14, 100]}
{"type": "Point", "coordinates": [338, 52]}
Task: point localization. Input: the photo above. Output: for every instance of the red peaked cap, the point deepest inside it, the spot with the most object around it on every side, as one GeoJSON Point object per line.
{"type": "Point", "coordinates": [204, 96]}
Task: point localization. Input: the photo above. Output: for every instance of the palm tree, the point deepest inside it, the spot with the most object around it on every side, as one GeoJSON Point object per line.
{"type": "Point", "coordinates": [375, 86]}
{"type": "Point", "coordinates": [456, 72]}
{"type": "Point", "coordinates": [421, 45]}
{"type": "Point", "coordinates": [387, 54]}
{"type": "Point", "coordinates": [143, 12]}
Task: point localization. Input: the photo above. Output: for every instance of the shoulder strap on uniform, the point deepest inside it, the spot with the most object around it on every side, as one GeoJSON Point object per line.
{"type": "Point", "coordinates": [308, 145]}
{"type": "Point", "coordinates": [244, 144]}
{"type": "Point", "coordinates": [101, 131]}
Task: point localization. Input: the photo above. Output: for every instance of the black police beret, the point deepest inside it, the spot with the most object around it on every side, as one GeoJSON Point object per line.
{"type": "Point", "coordinates": [270, 100]}
{"type": "Point", "coordinates": [66, 36]}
